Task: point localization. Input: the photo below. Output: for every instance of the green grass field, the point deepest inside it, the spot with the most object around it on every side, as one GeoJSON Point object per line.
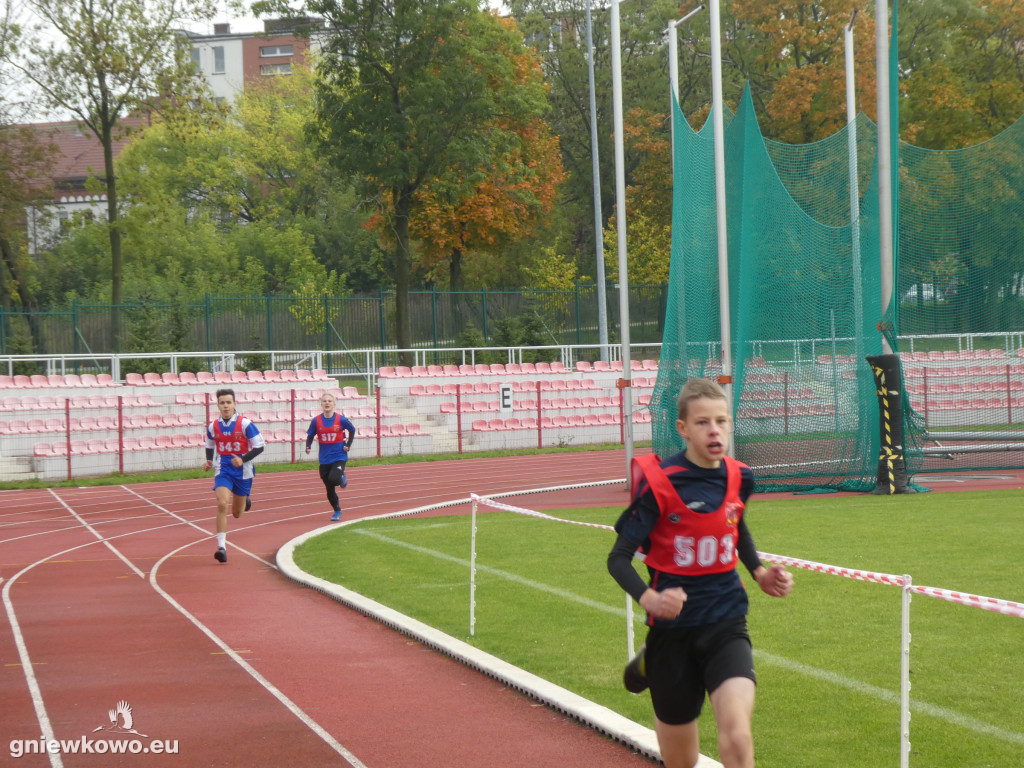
{"type": "Point", "coordinates": [827, 656]}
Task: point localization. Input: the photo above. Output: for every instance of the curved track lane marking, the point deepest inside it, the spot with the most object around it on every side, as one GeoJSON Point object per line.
{"type": "Point", "coordinates": [38, 703]}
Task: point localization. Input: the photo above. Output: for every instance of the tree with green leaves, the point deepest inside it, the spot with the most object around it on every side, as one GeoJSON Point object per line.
{"type": "Point", "coordinates": [409, 90]}
{"type": "Point", "coordinates": [106, 60]}
{"type": "Point", "coordinates": [25, 161]}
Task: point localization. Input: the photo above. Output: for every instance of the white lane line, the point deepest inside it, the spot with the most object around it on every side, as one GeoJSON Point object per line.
{"type": "Point", "coordinates": [138, 571]}
{"type": "Point", "coordinates": [273, 690]}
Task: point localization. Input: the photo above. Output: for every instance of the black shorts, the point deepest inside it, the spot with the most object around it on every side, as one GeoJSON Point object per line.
{"type": "Point", "coordinates": [330, 474]}
{"type": "Point", "coordinates": [685, 664]}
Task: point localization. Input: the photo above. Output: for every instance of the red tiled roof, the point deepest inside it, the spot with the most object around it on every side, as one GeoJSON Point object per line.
{"type": "Point", "coordinates": [79, 152]}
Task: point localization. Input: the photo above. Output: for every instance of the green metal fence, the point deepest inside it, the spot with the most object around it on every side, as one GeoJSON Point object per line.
{"type": "Point", "coordinates": [438, 319]}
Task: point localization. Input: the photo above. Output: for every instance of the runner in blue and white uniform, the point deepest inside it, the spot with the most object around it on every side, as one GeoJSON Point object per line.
{"type": "Point", "coordinates": [232, 442]}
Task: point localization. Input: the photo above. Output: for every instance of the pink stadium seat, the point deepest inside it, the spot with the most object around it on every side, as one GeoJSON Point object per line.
{"type": "Point", "coordinates": [35, 425]}
{"type": "Point", "coordinates": [528, 368]}
{"type": "Point", "coordinates": [239, 377]}
{"type": "Point", "coordinates": [591, 419]}
{"type": "Point", "coordinates": [102, 379]}
{"type": "Point", "coordinates": [205, 377]}
{"type": "Point", "coordinates": [419, 370]}
{"type": "Point", "coordinates": [134, 379]}
{"type": "Point", "coordinates": [496, 424]}
{"type": "Point", "coordinates": [497, 369]}
{"type": "Point", "coordinates": [513, 369]}
{"type": "Point", "coordinates": [319, 374]}
{"type": "Point", "coordinates": [272, 376]}
{"type": "Point", "coordinates": [650, 365]}
{"type": "Point", "coordinates": [480, 425]}
{"type": "Point", "coordinates": [467, 370]}
{"type": "Point", "coordinates": [21, 381]}
{"type": "Point", "coordinates": [387, 372]}
{"type": "Point", "coordinates": [42, 450]}
{"type": "Point", "coordinates": [55, 380]}
{"type": "Point", "coordinates": [350, 393]}
{"type": "Point", "coordinates": [481, 369]}
{"type": "Point", "coordinates": [601, 366]}
{"type": "Point", "coordinates": [543, 367]}
{"type": "Point", "coordinates": [222, 377]}
{"type": "Point", "coordinates": [452, 370]}
{"type": "Point", "coordinates": [96, 445]}
{"type": "Point", "coordinates": [74, 380]}
{"type": "Point", "coordinates": [435, 370]}
{"type": "Point", "coordinates": [6, 381]}
{"type": "Point", "coordinates": [528, 422]}
{"type": "Point", "coordinates": [170, 378]}
{"type": "Point", "coordinates": [188, 378]}
{"type": "Point", "coordinates": [558, 366]}
{"type": "Point", "coordinates": [255, 376]}
{"type": "Point", "coordinates": [179, 440]}
{"type": "Point", "coordinates": [608, 418]}
{"type": "Point", "coordinates": [584, 366]}
{"type": "Point", "coordinates": [153, 379]}
{"type": "Point", "coordinates": [403, 372]}
{"type": "Point", "coordinates": [415, 429]}
{"type": "Point", "coordinates": [38, 380]}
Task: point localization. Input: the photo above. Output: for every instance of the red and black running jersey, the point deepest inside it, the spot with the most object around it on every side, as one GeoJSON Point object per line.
{"type": "Point", "coordinates": [692, 543]}
{"type": "Point", "coordinates": [682, 521]}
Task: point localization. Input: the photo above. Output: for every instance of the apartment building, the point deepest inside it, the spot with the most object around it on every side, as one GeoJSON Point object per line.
{"type": "Point", "coordinates": [228, 61]}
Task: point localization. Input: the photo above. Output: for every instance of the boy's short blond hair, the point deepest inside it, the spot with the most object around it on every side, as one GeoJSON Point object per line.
{"type": "Point", "coordinates": [695, 389]}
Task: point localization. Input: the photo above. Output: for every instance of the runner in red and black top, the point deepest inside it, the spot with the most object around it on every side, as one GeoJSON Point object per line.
{"type": "Point", "coordinates": [687, 517]}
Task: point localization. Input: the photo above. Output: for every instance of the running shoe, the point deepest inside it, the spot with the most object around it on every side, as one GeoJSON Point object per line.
{"type": "Point", "coordinates": [248, 503]}
{"type": "Point", "coordinates": [336, 516]}
{"type": "Point", "coordinates": [344, 480]}
{"type": "Point", "coordinates": [221, 555]}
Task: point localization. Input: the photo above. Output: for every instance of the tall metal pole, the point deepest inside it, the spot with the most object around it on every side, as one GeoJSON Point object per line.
{"type": "Point", "coordinates": [851, 133]}
{"type": "Point", "coordinates": [884, 157]}
{"type": "Point", "coordinates": [717, 111]}
{"type": "Point", "coordinates": [620, 224]}
{"type": "Point", "coordinates": [673, 69]}
{"type": "Point", "coordinates": [602, 293]}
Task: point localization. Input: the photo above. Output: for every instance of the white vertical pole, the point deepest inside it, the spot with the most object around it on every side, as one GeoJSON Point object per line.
{"type": "Point", "coordinates": [851, 138]}
{"type": "Point", "coordinates": [884, 156]}
{"type": "Point", "coordinates": [630, 639]}
{"type": "Point", "coordinates": [602, 294]}
{"type": "Point", "coordinates": [472, 570]}
{"type": "Point", "coordinates": [620, 225]}
{"type": "Point", "coordinates": [905, 676]}
{"type": "Point", "coordinates": [718, 115]}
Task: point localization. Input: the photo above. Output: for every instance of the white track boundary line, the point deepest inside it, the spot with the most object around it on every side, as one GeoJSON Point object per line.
{"type": "Point", "coordinates": [600, 718]}
{"type": "Point", "coordinates": [272, 689]}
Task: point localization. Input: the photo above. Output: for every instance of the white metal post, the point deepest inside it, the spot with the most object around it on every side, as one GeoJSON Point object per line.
{"type": "Point", "coordinates": [884, 157]}
{"type": "Point", "coordinates": [602, 293]}
{"type": "Point", "coordinates": [851, 134]}
{"type": "Point", "coordinates": [472, 569]}
{"type": "Point", "coordinates": [718, 116]}
{"type": "Point", "coordinates": [905, 675]}
{"type": "Point", "coordinates": [620, 224]}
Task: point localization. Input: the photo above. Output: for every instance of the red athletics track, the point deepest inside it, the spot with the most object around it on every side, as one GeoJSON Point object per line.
{"type": "Point", "coordinates": [113, 595]}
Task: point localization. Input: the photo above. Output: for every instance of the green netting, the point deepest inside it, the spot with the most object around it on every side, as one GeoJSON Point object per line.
{"type": "Point", "coordinates": [805, 313]}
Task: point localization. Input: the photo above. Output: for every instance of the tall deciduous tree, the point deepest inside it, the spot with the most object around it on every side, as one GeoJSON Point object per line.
{"type": "Point", "coordinates": [25, 159]}
{"type": "Point", "coordinates": [102, 61]}
{"type": "Point", "coordinates": [497, 202]}
{"type": "Point", "coordinates": [409, 90]}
